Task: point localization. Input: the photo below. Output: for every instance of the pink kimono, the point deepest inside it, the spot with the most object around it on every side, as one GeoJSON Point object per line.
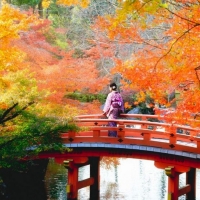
{"type": "Point", "coordinates": [114, 105]}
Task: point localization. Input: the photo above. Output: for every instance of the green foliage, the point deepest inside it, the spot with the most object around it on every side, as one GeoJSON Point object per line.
{"type": "Point", "coordinates": [51, 35]}
{"type": "Point", "coordinates": [30, 136]}
{"type": "Point", "coordinates": [26, 2]}
{"type": "Point", "coordinates": [59, 15]}
{"type": "Point", "coordinates": [86, 97]}
{"type": "Point", "coordinates": [56, 39]}
{"type": "Point", "coordinates": [78, 53]}
{"type": "Point", "coordinates": [144, 109]}
{"type": "Point", "coordinates": [164, 5]}
{"type": "Point", "coordinates": [61, 43]}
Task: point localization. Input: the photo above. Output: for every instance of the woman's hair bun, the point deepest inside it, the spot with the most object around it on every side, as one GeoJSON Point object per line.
{"type": "Point", "coordinates": [113, 86]}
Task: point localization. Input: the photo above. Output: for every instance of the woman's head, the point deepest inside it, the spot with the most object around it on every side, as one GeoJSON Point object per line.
{"type": "Point", "coordinates": [113, 86]}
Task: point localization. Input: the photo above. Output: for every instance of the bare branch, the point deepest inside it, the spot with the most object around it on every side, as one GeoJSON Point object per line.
{"type": "Point", "coordinates": [8, 111]}
{"type": "Point", "coordinates": [184, 33]}
{"type": "Point", "coordinates": [12, 116]}
{"type": "Point", "coordinates": [181, 17]}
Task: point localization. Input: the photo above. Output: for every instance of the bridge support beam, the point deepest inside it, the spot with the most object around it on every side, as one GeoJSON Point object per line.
{"type": "Point", "coordinates": [95, 173]}
{"type": "Point", "coordinates": [173, 183]}
{"type": "Point", "coordinates": [191, 180]}
{"type": "Point", "coordinates": [73, 185]}
{"type": "Point", "coordinates": [173, 172]}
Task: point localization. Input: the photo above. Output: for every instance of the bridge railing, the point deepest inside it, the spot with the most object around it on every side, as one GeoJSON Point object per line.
{"type": "Point", "coordinates": [136, 129]}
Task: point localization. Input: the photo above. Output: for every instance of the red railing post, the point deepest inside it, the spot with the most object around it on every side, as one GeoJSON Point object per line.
{"type": "Point", "coordinates": [96, 133]}
{"type": "Point", "coordinates": [71, 136]}
{"type": "Point", "coordinates": [146, 136]}
{"type": "Point", "coordinates": [121, 131]}
{"type": "Point", "coordinates": [172, 139]}
{"type": "Point", "coordinates": [198, 145]}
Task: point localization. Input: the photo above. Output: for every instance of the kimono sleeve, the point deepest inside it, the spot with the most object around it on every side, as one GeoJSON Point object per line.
{"type": "Point", "coordinates": [122, 106]}
{"type": "Point", "coordinates": [108, 103]}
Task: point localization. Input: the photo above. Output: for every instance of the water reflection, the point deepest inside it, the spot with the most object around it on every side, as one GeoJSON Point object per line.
{"type": "Point", "coordinates": [137, 179]}
{"type": "Point", "coordinates": [133, 179]}
{"type": "Point", "coordinates": [56, 180]}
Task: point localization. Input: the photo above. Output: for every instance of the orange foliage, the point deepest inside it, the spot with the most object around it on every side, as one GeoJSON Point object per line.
{"type": "Point", "coordinates": [153, 46]}
{"type": "Point", "coordinates": [82, 3]}
{"type": "Point", "coordinates": [167, 51]}
{"type": "Point", "coordinates": [58, 71]}
{"type": "Point", "coordinates": [108, 162]}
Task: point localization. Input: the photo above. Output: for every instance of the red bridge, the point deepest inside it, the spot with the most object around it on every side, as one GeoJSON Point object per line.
{"type": "Point", "coordinates": [173, 148]}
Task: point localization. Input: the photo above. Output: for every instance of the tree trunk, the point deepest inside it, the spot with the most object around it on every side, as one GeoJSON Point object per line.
{"type": "Point", "coordinates": [40, 9]}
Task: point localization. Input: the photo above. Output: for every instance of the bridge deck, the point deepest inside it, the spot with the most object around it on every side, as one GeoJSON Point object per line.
{"type": "Point", "coordinates": [172, 147]}
{"type": "Point", "coordinates": [139, 132]}
{"type": "Point", "coordinates": [133, 147]}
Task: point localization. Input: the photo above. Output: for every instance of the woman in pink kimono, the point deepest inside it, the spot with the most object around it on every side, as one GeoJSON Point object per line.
{"type": "Point", "coordinates": [114, 105]}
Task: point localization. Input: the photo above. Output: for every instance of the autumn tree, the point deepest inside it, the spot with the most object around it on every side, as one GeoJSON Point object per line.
{"type": "Point", "coordinates": [28, 125]}
{"type": "Point", "coordinates": [147, 40]}
{"type": "Point", "coordinates": [157, 50]}
{"type": "Point", "coordinates": [58, 70]}
{"type": "Point", "coordinates": [54, 64]}
{"type": "Point", "coordinates": [35, 78]}
{"type": "Point", "coordinates": [42, 6]}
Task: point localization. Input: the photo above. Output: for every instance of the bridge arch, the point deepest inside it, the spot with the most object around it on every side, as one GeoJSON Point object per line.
{"type": "Point", "coordinates": [157, 141]}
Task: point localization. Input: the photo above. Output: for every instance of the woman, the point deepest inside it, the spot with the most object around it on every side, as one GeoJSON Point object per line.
{"type": "Point", "coordinates": [113, 107]}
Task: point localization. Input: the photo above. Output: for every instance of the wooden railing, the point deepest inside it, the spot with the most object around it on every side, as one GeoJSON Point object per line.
{"type": "Point", "coordinates": [136, 129]}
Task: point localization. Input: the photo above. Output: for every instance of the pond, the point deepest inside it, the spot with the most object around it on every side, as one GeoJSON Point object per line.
{"type": "Point", "coordinates": [132, 179]}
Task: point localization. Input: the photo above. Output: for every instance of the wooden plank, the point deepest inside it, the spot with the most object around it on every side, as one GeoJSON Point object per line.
{"type": "Point", "coordinates": [184, 190]}
{"type": "Point", "coordinates": [85, 183]}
